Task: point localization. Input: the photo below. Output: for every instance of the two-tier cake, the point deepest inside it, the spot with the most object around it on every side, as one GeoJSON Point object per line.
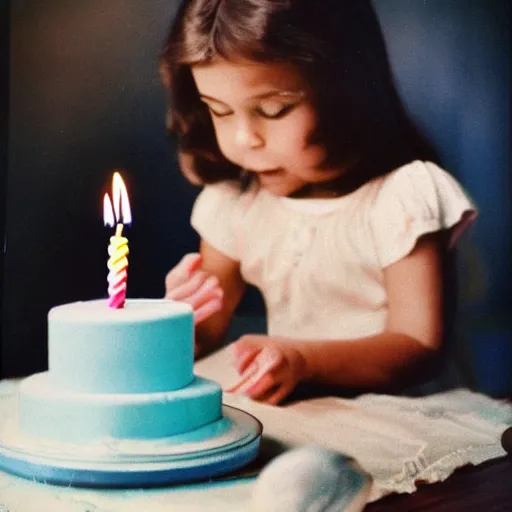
{"type": "Point", "coordinates": [120, 404]}
{"type": "Point", "coordinates": [122, 373]}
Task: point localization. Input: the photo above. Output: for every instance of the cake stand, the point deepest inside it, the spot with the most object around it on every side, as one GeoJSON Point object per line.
{"type": "Point", "coordinates": [210, 451]}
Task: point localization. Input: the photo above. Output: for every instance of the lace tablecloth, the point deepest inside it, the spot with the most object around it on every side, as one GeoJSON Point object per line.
{"type": "Point", "coordinates": [399, 441]}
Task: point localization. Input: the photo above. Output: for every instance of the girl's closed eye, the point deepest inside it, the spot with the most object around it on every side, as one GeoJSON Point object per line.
{"type": "Point", "coordinates": [218, 111]}
{"type": "Point", "coordinates": [274, 110]}
{"type": "Point", "coordinates": [266, 109]}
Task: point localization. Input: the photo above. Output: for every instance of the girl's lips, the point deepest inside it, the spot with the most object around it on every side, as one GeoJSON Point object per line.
{"type": "Point", "coordinates": [264, 171]}
{"type": "Point", "coordinates": [269, 173]}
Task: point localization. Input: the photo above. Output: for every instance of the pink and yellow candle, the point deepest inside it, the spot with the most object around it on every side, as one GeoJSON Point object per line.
{"type": "Point", "coordinates": [118, 250]}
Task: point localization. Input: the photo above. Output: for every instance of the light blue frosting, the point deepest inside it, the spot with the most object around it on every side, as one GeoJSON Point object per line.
{"type": "Point", "coordinates": [47, 411]}
{"type": "Point", "coordinates": [125, 373]}
{"type": "Point", "coordinates": [145, 347]}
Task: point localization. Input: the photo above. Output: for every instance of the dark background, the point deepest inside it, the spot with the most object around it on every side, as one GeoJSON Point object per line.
{"type": "Point", "coordinates": [4, 129]}
{"type": "Point", "coordinates": [80, 84]}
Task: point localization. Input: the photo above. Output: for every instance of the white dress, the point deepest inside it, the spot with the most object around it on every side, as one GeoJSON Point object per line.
{"type": "Point", "coordinates": [319, 262]}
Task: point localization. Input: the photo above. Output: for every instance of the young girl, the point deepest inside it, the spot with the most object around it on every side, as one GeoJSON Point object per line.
{"type": "Point", "coordinates": [318, 190]}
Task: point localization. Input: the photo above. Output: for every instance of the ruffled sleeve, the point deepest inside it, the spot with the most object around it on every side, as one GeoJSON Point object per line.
{"type": "Point", "coordinates": [215, 215]}
{"type": "Point", "coordinates": [414, 200]}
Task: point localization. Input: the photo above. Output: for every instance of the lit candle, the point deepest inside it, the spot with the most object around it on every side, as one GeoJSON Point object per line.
{"type": "Point", "coordinates": [118, 248]}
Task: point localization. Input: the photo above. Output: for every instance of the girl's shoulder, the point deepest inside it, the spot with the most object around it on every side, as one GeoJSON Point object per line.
{"type": "Point", "coordinates": [420, 189]}
{"type": "Point", "coordinates": [416, 175]}
{"type": "Point", "coordinates": [413, 200]}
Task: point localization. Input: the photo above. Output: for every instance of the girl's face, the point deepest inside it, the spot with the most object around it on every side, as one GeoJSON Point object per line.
{"type": "Point", "coordinates": [263, 119]}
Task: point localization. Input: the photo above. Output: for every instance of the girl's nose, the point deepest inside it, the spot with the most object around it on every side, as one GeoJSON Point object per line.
{"type": "Point", "coordinates": [247, 136]}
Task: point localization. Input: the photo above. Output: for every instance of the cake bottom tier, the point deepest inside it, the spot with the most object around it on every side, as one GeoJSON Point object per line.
{"type": "Point", "coordinates": [49, 412]}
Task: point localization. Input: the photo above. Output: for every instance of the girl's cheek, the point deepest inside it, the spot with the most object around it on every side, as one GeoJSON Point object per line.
{"type": "Point", "coordinates": [222, 140]}
{"type": "Point", "coordinates": [225, 147]}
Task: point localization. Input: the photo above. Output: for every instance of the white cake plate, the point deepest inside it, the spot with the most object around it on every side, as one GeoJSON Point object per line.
{"type": "Point", "coordinates": [211, 451]}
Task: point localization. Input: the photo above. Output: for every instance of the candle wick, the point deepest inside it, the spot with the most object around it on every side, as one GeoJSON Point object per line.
{"type": "Point", "coordinates": [119, 230]}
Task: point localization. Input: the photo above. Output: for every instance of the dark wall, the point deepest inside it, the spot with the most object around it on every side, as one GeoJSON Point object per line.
{"type": "Point", "coordinates": [4, 135]}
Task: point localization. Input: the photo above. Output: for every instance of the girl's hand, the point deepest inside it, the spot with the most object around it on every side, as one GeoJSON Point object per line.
{"type": "Point", "coordinates": [186, 282]}
{"type": "Point", "coordinates": [270, 368]}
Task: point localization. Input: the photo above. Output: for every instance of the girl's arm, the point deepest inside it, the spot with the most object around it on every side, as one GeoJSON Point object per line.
{"type": "Point", "coordinates": [414, 328]}
{"type": "Point", "coordinates": [210, 332]}
{"type": "Point", "coordinates": [413, 333]}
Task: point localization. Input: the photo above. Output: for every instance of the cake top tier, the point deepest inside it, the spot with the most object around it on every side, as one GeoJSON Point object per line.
{"type": "Point", "coordinates": [146, 347]}
{"type": "Point", "coordinates": [140, 310]}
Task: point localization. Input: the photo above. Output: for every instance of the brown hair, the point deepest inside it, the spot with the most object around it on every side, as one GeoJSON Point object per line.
{"type": "Point", "coordinates": [336, 45]}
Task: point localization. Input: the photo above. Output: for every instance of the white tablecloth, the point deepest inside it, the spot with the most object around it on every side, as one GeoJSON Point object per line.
{"type": "Point", "coordinates": [397, 440]}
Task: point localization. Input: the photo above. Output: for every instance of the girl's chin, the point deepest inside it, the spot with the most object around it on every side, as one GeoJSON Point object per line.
{"type": "Point", "coordinates": [279, 187]}
{"type": "Point", "coordinates": [279, 190]}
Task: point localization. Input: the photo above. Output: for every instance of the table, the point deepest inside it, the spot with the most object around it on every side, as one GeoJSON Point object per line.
{"type": "Point", "coordinates": [486, 487]}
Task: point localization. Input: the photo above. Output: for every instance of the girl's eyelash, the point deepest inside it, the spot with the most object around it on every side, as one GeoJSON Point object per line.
{"type": "Point", "coordinates": [281, 113]}
{"type": "Point", "coordinates": [218, 114]}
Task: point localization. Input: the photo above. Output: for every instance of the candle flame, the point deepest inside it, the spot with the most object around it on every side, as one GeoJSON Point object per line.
{"type": "Point", "coordinates": [120, 213]}
{"type": "Point", "coordinates": [108, 213]}
{"type": "Point", "coordinates": [121, 202]}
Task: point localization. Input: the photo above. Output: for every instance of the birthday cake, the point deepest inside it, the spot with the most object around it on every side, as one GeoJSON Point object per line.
{"type": "Point", "coordinates": [118, 373]}
{"type": "Point", "coordinates": [120, 404]}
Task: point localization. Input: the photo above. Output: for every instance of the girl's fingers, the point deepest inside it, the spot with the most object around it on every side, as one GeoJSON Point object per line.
{"type": "Point", "coordinates": [260, 376]}
{"type": "Point", "coordinates": [269, 359]}
{"type": "Point", "coordinates": [207, 310]}
{"type": "Point", "coordinates": [208, 290]}
{"type": "Point", "coordinates": [187, 289]}
{"type": "Point", "coordinates": [245, 350]}
{"type": "Point", "coordinates": [277, 395]}
{"type": "Point", "coordinates": [243, 381]}
{"type": "Point", "coordinates": [258, 386]}
{"type": "Point", "coordinates": [244, 357]}
{"type": "Point", "coordinates": [270, 389]}
{"type": "Point", "coordinates": [186, 282]}
{"type": "Point", "coordinates": [183, 270]}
